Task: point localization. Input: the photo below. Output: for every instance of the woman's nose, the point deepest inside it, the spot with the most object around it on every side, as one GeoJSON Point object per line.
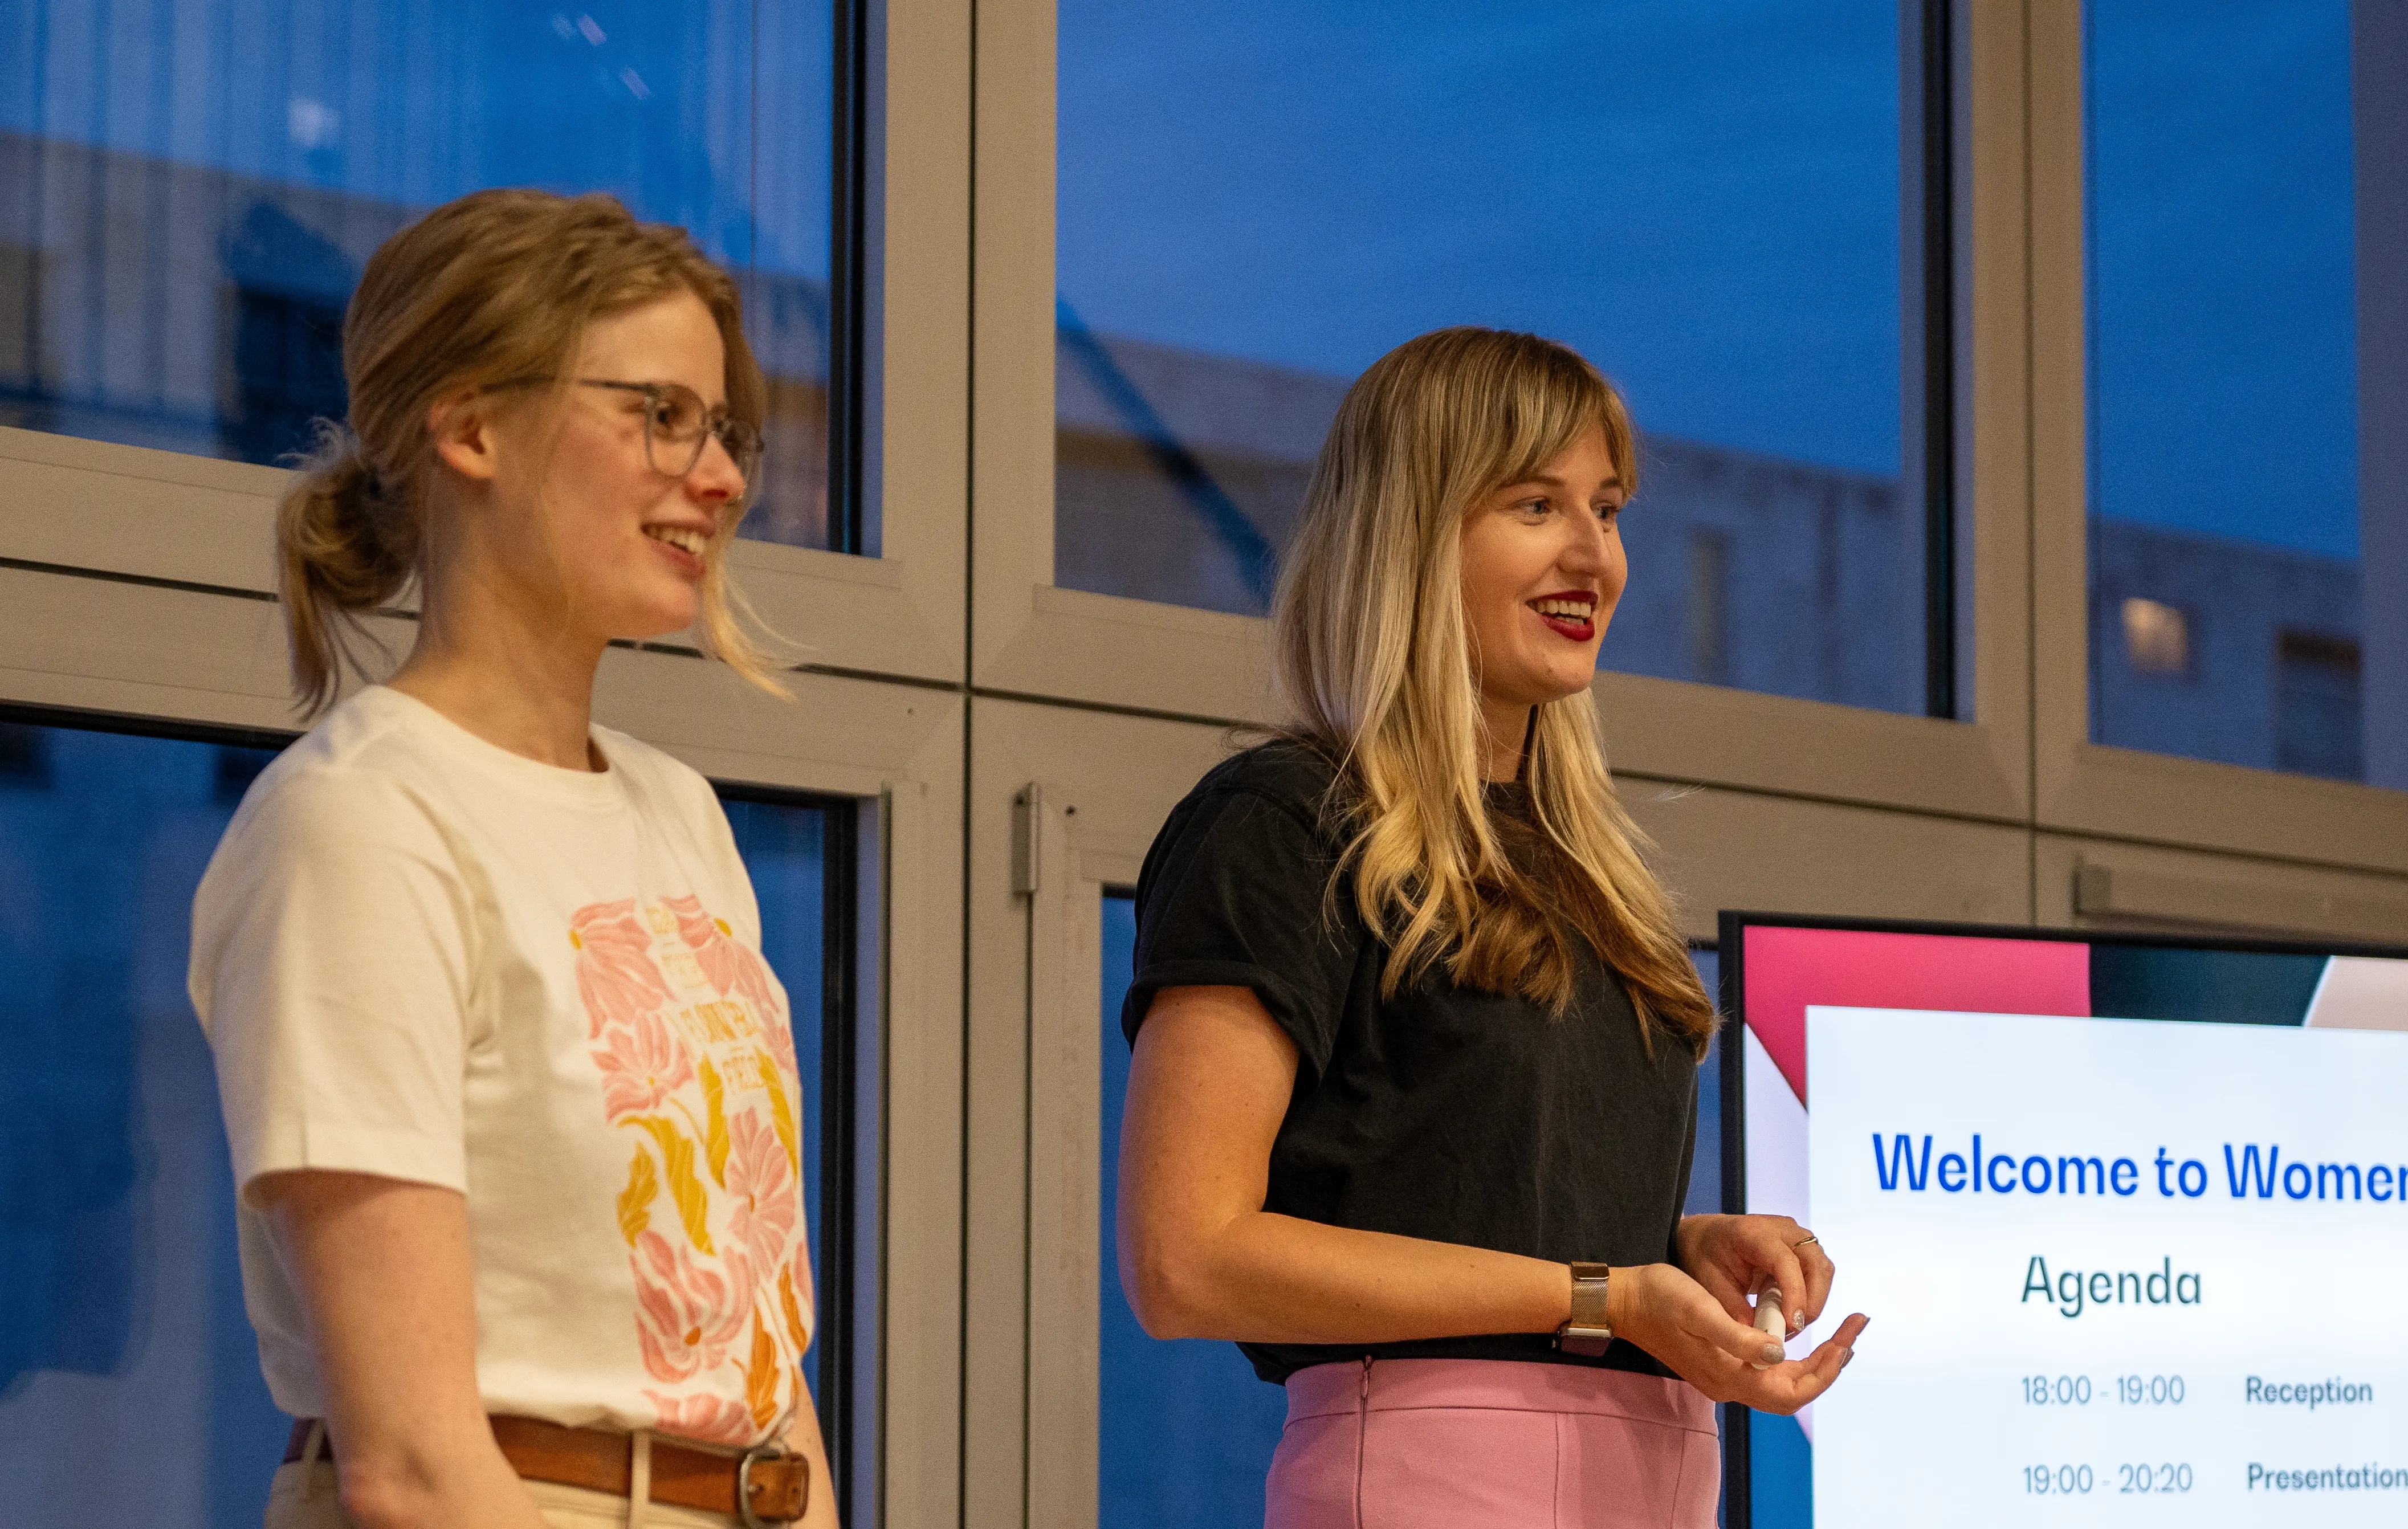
{"type": "Point", "coordinates": [1587, 551]}
{"type": "Point", "coordinates": [715, 473]}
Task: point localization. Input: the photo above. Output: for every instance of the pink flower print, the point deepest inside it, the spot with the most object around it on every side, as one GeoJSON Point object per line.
{"type": "Point", "coordinates": [714, 1419]}
{"type": "Point", "coordinates": [780, 1041]}
{"type": "Point", "coordinates": [728, 962]}
{"type": "Point", "coordinates": [642, 1064]}
{"type": "Point", "coordinates": [685, 1314]}
{"type": "Point", "coordinates": [616, 975]}
{"type": "Point", "coordinates": [762, 1221]}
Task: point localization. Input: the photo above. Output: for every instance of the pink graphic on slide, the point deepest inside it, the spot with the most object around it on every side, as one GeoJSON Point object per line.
{"type": "Point", "coordinates": [1786, 969]}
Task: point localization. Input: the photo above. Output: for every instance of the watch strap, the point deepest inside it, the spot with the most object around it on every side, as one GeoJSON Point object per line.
{"type": "Point", "coordinates": [1586, 1333]}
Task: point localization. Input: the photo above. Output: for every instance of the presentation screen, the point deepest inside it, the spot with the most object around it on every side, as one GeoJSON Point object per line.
{"type": "Point", "coordinates": [2130, 1215]}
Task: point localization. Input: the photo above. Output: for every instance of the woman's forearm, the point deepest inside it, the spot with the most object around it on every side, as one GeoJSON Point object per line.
{"type": "Point", "coordinates": [1265, 1278]}
{"type": "Point", "coordinates": [384, 1267]}
{"type": "Point", "coordinates": [1208, 1084]}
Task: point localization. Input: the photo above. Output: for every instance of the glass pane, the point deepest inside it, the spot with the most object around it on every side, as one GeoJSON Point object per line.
{"type": "Point", "coordinates": [1706, 1161]}
{"type": "Point", "coordinates": [2248, 455]}
{"type": "Point", "coordinates": [187, 192]}
{"type": "Point", "coordinates": [784, 849]}
{"type": "Point", "coordinates": [1257, 200]}
{"type": "Point", "coordinates": [124, 1317]}
{"type": "Point", "coordinates": [125, 1320]}
{"type": "Point", "coordinates": [1186, 1429]}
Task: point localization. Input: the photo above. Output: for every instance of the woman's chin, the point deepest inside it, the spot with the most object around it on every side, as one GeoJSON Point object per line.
{"type": "Point", "coordinates": [1567, 679]}
{"type": "Point", "coordinates": [662, 624]}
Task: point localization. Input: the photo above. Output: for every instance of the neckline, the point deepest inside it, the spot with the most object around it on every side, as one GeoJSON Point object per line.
{"type": "Point", "coordinates": [592, 790]}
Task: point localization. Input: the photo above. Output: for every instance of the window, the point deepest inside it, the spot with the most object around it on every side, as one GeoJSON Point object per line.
{"type": "Point", "coordinates": [125, 1317]}
{"type": "Point", "coordinates": [186, 201]}
{"type": "Point", "coordinates": [1186, 1430]}
{"type": "Point", "coordinates": [2318, 712]}
{"type": "Point", "coordinates": [2157, 637]}
{"type": "Point", "coordinates": [2246, 449]}
{"type": "Point", "coordinates": [1255, 201]}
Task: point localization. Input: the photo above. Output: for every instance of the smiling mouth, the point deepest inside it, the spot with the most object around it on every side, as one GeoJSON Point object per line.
{"type": "Point", "coordinates": [1569, 615]}
{"type": "Point", "coordinates": [692, 542]}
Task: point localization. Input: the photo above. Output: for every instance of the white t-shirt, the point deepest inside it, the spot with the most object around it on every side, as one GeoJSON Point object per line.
{"type": "Point", "coordinates": [420, 956]}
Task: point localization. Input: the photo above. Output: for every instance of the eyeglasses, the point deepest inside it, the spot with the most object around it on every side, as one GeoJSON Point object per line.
{"type": "Point", "coordinates": [678, 424]}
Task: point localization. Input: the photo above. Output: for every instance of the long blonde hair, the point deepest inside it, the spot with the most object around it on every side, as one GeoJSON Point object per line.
{"type": "Point", "coordinates": [496, 286]}
{"type": "Point", "coordinates": [1375, 669]}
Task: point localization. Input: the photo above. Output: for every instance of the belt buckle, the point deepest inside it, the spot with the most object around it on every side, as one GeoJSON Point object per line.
{"type": "Point", "coordinates": [774, 1450]}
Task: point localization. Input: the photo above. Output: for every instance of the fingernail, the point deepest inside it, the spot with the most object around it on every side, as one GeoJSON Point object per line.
{"type": "Point", "coordinates": [1798, 1319]}
{"type": "Point", "coordinates": [1847, 1359]}
{"type": "Point", "coordinates": [1772, 1353]}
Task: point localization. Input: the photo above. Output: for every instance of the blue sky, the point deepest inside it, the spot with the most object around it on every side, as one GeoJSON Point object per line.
{"type": "Point", "coordinates": [2223, 358]}
{"type": "Point", "coordinates": [1702, 195]}
{"type": "Point", "coordinates": [711, 113]}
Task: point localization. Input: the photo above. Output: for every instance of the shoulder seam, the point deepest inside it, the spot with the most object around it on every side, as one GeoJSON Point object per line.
{"type": "Point", "coordinates": [1287, 808]}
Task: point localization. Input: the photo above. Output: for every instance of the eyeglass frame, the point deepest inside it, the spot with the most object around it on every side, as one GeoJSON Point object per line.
{"type": "Point", "coordinates": [745, 450]}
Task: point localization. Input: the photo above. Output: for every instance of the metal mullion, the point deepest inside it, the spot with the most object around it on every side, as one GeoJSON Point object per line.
{"type": "Point", "coordinates": [1938, 279]}
{"type": "Point", "coordinates": [847, 278]}
{"type": "Point", "coordinates": [839, 1182]}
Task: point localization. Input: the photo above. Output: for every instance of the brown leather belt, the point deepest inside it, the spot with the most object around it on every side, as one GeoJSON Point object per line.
{"type": "Point", "coordinates": [777, 1487]}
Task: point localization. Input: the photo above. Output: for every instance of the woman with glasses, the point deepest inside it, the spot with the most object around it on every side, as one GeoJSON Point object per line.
{"type": "Point", "coordinates": [511, 1091]}
{"type": "Point", "coordinates": [1414, 1092]}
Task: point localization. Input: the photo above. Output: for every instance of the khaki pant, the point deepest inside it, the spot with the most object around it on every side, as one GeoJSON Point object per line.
{"type": "Point", "coordinates": [304, 1497]}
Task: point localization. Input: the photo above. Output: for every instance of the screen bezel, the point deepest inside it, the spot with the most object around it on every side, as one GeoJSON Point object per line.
{"type": "Point", "coordinates": [1732, 997]}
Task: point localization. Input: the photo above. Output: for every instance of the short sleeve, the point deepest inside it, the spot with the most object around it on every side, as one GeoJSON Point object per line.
{"type": "Point", "coordinates": [332, 973]}
{"type": "Point", "coordinates": [1235, 895]}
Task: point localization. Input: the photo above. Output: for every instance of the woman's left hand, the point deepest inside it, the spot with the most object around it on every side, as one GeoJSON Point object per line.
{"type": "Point", "coordinates": [1735, 1256]}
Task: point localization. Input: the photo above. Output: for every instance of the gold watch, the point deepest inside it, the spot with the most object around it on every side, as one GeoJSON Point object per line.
{"type": "Point", "coordinates": [1586, 1333]}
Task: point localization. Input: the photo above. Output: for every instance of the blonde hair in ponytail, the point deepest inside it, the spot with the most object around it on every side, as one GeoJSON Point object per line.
{"type": "Point", "coordinates": [1374, 668]}
{"type": "Point", "coordinates": [494, 288]}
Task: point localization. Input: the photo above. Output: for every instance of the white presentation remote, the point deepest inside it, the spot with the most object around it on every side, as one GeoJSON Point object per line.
{"type": "Point", "coordinates": [1771, 1320]}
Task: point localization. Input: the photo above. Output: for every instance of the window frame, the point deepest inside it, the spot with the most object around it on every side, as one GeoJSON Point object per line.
{"type": "Point", "coordinates": [1032, 637]}
{"type": "Point", "coordinates": [895, 390]}
{"type": "Point", "coordinates": [845, 1303]}
{"type": "Point", "coordinates": [146, 656]}
{"type": "Point", "coordinates": [2092, 788]}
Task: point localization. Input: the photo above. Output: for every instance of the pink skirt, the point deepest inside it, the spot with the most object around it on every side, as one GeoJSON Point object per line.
{"type": "Point", "coordinates": [1487, 1443]}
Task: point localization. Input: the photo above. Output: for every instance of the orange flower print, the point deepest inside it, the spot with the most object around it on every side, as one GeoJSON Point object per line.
{"type": "Point", "coordinates": [615, 972]}
{"type": "Point", "coordinates": [687, 1033]}
{"type": "Point", "coordinates": [714, 1419]}
{"type": "Point", "coordinates": [642, 1064]}
{"type": "Point", "coordinates": [763, 1220]}
{"type": "Point", "coordinates": [686, 1315]}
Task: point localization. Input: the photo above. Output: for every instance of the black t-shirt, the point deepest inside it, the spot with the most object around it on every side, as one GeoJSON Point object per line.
{"type": "Point", "coordinates": [1444, 1112]}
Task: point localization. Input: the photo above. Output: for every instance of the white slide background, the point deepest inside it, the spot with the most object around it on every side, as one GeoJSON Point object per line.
{"type": "Point", "coordinates": [1933, 1422]}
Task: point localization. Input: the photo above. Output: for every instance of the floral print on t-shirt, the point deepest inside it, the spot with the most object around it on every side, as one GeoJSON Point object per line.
{"type": "Point", "coordinates": [687, 1029]}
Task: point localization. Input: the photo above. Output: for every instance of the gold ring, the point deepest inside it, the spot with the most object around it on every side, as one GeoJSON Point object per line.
{"type": "Point", "coordinates": [1810, 1238]}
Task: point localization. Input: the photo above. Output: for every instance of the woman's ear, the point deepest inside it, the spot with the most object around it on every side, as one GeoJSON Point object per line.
{"type": "Point", "coordinates": [462, 431]}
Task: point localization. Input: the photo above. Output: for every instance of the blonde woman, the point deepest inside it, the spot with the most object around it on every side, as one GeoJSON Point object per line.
{"type": "Point", "coordinates": [1414, 1092]}
{"type": "Point", "coordinates": [511, 1090]}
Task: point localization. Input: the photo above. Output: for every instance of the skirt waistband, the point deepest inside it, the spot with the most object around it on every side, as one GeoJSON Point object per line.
{"type": "Point", "coordinates": [1391, 1385]}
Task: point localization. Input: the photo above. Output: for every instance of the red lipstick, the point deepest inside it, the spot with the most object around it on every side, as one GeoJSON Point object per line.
{"type": "Point", "coordinates": [1579, 627]}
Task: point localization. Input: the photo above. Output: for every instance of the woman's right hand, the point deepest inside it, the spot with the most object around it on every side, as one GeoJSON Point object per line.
{"type": "Point", "coordinates": [1663, 1312]}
